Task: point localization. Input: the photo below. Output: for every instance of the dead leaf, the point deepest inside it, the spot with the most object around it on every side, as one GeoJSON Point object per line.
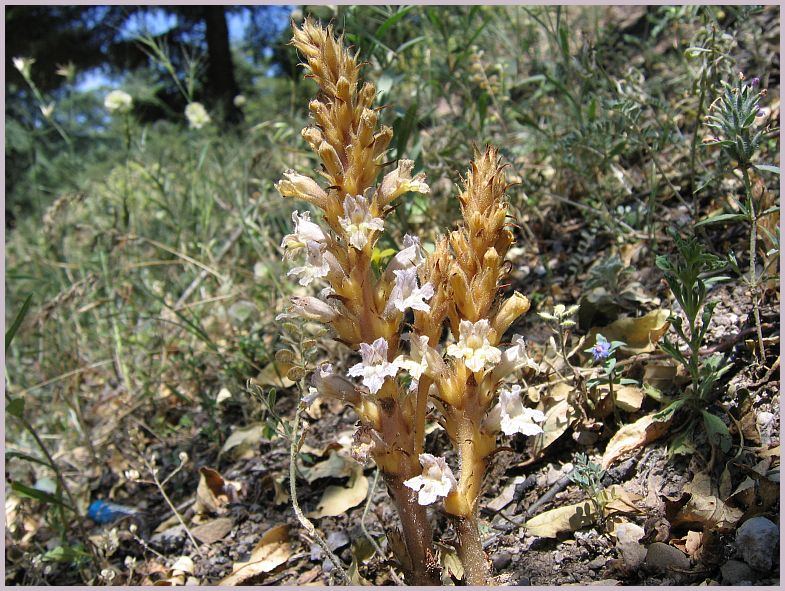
{"type": "Point", "coordinates": [335, 466]}
{"type": "Point", "coordinates": [639, 334]}
{"type": "Point", "coordinates": [336, 500]}
{"type": "Point", "coordinates": [634, 435]}
{"type": "Point", "coordinates": [213, 492]}
{"type": "Point", "coordinates": [659, 374]}
{"type": "Point", "coordinates": [274, 374]}
{"type": "Point", "coordinates": [557, 418]}
{"type": "Point", "coordinates": [451, 563]}
{"type": "Point", "coordinates": [562, 520]}
{"type": "Point", "coordinates": [698, 504]}
{"type": "Point", "coordinates": [273, 550]}
{"type": "Point", "coordinates": [506, 496]}
{"type": "Point", "coordinates": [243, 442]}
{"type": "Point", "coordinates": [213, 530]}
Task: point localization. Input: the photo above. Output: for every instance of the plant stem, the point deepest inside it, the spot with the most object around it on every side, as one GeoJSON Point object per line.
{"type": "Point", "coordinates": [471, 552]}
{"type": "Point", "coordinates": [304, 521]}
{"type": "Point", "coordinates": [753, 278]}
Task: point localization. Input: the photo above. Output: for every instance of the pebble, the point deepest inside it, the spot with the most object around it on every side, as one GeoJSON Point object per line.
{"type": "Point", "coordinates": [597, 563]}
{"type": "Point", "coordinates": [756, 541]}
{"type": "Point", "coordinates": [501, 560]}
{"type": "Point", "coordinates": [632, 552]}
{"type": "Point", "coordinates": [735, 572]}
{"type": "Point", "coordinates": [169, 539]}
{"type": "Point", "coordinates": [662, 558]}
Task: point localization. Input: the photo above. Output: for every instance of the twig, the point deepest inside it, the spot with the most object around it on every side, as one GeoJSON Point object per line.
{"type": "Point", "coordinates": [304, 521]}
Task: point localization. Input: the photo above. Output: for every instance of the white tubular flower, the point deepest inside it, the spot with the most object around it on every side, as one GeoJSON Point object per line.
{"type": "Point", "coordinates": [359, 223]}
{"type": "Point", "coordinates": [197, 115]}
{"type": "Point", "coordinates": [511, 416]}
{"type": "Point", "coordinates": [374, 367]}
{"type": "Point", "coordinates": [304, 230]}
{"type": "Point", "coordinates": [302, 187]}
{"type": "Point", "coordinates": [409, 256]}
{"type": "Point", "coordinates": [313, 309]}
{"type": "Point", "coordinates": [315, 265]}
{"type": "Point", "coordinates": [406, 294]}
{"type": "Point", "coordinates": [436, 480]}
{"type": "Point", "coordinates": [422, 359]}
{"type": "Point", "coordinates": [326, 384]}
{"type": "Point", "coordinates": [513, 359]}
{"type": "Point", "coordinates": [23, 64]}
{"type": "Point", "coordinates": [118, 101]}
{"type": "Point", "coordinates": [399, 181]}
{"type": "Point", "coordinates": [474, 347]}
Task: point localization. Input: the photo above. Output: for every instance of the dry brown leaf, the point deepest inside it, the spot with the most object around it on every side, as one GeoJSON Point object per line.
{"type": "Point", "coordinates": [506, 496]}
{"type": "Point", "coordinates": [639, 334]}
{"type": "Point", "coordinates": [557, 420]}
{"type": "Point", "coordinates": [336, 500]}
{"type": "Point", "coordinates": [213, 492]}
{"type": "Point", "coordinates": [274, 374]}
{"type": "Point", "coordinates": [643, 431]}
{"type": "Point", "coordinates": [273, 550]}
{"type": "Point", "coordinates": [243, 442]}
{"type": "Point", "coordinates": [562, 520]}
{"type": "Point", "coordinates": [213, 530]}
{"type": "Point", "coordinates": [659, 374]}
{"type": "Point", "coordinates": [451, 563]}
{"type": "Point", "coordinates": [699, 504]}
{"type": "Point", "coordinates": [335, 466]}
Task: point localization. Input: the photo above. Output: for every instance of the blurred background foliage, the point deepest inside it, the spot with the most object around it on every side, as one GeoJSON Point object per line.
{"type": "Point", "coordinates": [151, 249]}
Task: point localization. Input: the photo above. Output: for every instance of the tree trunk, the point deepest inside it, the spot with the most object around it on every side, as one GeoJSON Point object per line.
{"type": "Point", "coordinates": [221, 83]}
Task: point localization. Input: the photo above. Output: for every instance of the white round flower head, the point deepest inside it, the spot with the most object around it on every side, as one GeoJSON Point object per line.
{"type": "Point", "coordinates": [239, 101]}
{"type": "Point", "coordinates": [118, 101]}
{"type": "Point", "coordinates": [512, 416]}
{"type": "Point", "coordinates": [197, 115]}
{"type": "Point", "coordinates": [315, 265]}
{"type": "Point", "coordinates": [374, 367]}
{"type": "Point", "coordinates": [304, 230]}
{"type": "Point", "coordinates": [474, 347]}
{"type": "Point", "coordinates": [406, 294]}
{"type": "Point", "coordinates": [358, 222]}
{"type": "Point", "coordinates": [436, 480]}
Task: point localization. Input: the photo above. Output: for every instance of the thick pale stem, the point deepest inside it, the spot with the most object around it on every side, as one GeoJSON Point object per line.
{"type": "Point", "coordinates": [421, 567]}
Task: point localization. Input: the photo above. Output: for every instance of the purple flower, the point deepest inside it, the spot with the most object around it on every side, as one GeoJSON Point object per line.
{"type": "Point", "coordinates": [601, 350]}
{"type": "Point", "coordinates": [754, 82]}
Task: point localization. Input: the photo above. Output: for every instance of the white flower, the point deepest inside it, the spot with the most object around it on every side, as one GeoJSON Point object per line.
{"type": "Point", "coordinates": [399, 181]}
{"type": "Point", "coordinates": [326, 384]}
{"type": "Point", "coordinates": [304, 230]}
{"type": "Point", "coordinates": [197, 115]}
{"type": "Point", "coordinates": [118, 101]}
{"type": "Point", "coordinates": [406, 294]}
{"type": "Point", "coordinates": [374, 367]}
{"type": "Point", "coordinates": [313, 309]}
{"type": "Point", "coordinates": [315, 265]}
{"type": "Point", "coordinates": [436, 480]}
{"type": "Point", "coordinates": [302, 187]}
{"type": "Point", "coordinates": [358, 222]}
{"type": "Point", "coordinates": [47, 110]}
{"type": "Point", "coordinates": [23, 64]}
{"type": "Point", "coordinates": [514, 358]}
{"type": "Point", "coordinates": [409, 256]}
{"type": "Point", "coordinates": [239, 101]}
{"type": "Point", "coordinates": [511, 416]}
{"type": "Point", "coordinates": [474, 347]}
{"type": "Point", "coordinates": [422, 359]}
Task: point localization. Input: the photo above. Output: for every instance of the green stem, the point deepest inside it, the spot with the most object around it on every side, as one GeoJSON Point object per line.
{"type": "Point", "coordinates": [753, 278]}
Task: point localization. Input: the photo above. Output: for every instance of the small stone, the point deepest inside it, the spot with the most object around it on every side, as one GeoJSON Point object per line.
{"type": "Point", "coordinates": [501, 561]}
{"type": "Point", "coordinates": [585, 438]}
{"type": "Point", "coordinates": [664, 558]}
{"type": "Point", "coordinates": [597, 563]}
{"type": "Point", "coordinates": [523, 582]}
{"type": "Point", "coordinates": [735, 572]}
{"type": "Point", "coordinates": [169, 539]}
{"type": "Point", "coordinates": [756, 541]}
{"type": "Point", "coordinates": [627, 544]}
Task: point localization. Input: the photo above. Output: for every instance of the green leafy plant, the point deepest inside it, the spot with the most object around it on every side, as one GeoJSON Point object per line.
{"type": "Point", "coordinates": [588, 476]}
{"type": "Point", "coordinates": [605, 351]}
{"type": "Point", "coordinates": [690, 275]}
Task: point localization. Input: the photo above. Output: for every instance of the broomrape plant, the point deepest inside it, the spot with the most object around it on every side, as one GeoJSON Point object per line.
{"type": "Point", "coordinates": [395, 317]}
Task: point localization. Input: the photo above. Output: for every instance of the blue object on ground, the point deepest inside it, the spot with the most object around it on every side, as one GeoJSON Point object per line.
{"type": "Point", "coordinates": [103, 512]}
